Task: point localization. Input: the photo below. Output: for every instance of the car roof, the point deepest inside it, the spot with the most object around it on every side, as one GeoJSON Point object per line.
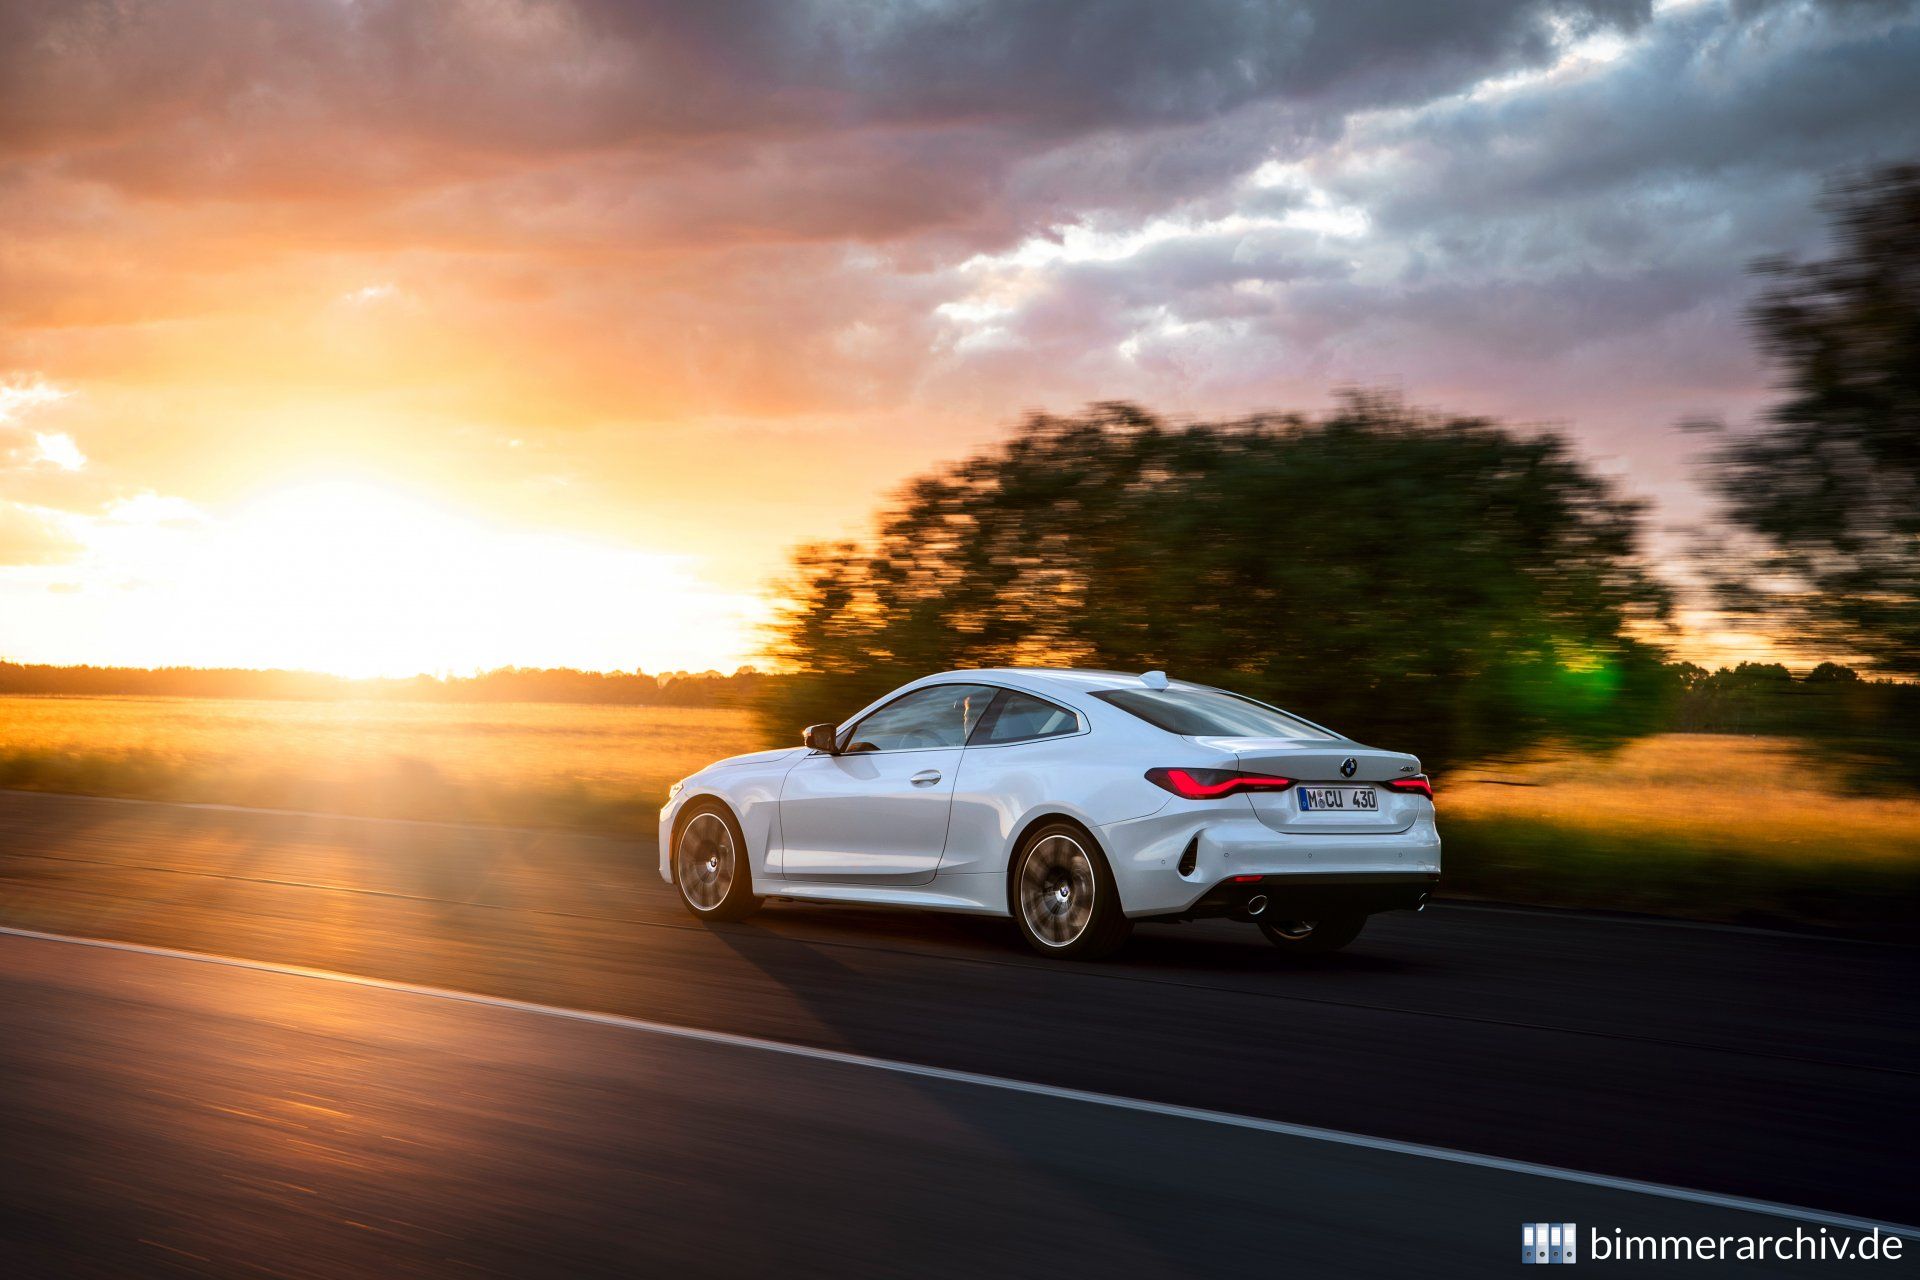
{"type": "Point", "coordinates": [1066, 682]}
{"type": "Point", "coordinates": [1078, 679]}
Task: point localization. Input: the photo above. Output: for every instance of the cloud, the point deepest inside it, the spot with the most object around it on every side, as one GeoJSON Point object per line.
{"type": "Point", "coordinates": [19, 395]}
{"type": "Point", "coordinates": [1538, 231]}
{"type": "Point", "coordinates": [368, 294]}
{"type": "Point", "coordinates": [155, 509]}
{"type": "Point", "coordinates": [58, 449]}
{"type": "Point", "coordinates": [34, 536]}
{"type": "Point", "coordinates": [382, 103]}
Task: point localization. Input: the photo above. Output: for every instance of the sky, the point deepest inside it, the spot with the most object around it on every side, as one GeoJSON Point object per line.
{"type": "Point", "coordinates": [378, 336]}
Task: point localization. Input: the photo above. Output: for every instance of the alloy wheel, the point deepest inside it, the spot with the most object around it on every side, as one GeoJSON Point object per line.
{"type": "Point", "coordinates": [705, 861]}
{"type": "Point", "coordinates": [1057, 890]}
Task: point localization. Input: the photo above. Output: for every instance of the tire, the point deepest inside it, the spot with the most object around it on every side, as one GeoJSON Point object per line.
{"type": "Point", "coordinates": [1313, 937]}
{"type": "Point", "coordinates": [1063, 897]}
{"type": "Point", "coordinates": [710, 864]}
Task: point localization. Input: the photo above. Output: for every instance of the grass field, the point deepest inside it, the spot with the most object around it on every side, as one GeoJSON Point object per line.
{"type": "Point", "coordinates": [1713, 827]}
{"type": "Point", "coordinates": [1761, 830]}
{"type": "Point", "coordinates": [540, 764]}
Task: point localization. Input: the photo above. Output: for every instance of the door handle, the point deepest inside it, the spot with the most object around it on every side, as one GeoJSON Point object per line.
{"type": "Point", "coordinates": [925, 778]}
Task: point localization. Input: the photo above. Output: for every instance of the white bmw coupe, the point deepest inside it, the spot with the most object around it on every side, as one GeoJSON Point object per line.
{"type": "Point", "coordinates": [1076, 802]}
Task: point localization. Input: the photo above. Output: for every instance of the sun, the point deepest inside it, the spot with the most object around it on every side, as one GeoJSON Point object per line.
{"type": "Point", "coordinates": [362, 578]}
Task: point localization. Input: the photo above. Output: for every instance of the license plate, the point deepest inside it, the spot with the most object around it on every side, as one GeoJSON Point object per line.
{"type": "Point", "coordinates": [1339, 799]}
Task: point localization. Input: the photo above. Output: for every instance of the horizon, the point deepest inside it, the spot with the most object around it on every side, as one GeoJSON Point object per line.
{"type": "Point", "coordinates": [545, 354]}
{"type": "Point", "coordinates": [1797, 669]}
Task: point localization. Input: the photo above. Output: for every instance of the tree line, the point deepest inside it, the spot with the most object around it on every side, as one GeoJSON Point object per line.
{"type": "Point", "coordinates": [743, 687]}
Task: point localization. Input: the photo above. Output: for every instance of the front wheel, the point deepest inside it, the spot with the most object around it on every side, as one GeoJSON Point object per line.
{"type": "Point", "coordinates": [710, 865]}
{"type": "Point", "coordinates": [1064, 898]}
{"type": "Point", "coordinates": [1313, 937]}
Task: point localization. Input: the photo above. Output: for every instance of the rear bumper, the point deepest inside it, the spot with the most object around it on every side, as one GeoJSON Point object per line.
{"type": "Point", "coordinates": [1173, 864]}
{"type": "Point", "coordinates": [1310, 896]}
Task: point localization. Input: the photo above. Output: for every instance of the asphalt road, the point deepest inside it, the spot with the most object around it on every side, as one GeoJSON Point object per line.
{"type": "Point", "coordinates": [238, 1118]}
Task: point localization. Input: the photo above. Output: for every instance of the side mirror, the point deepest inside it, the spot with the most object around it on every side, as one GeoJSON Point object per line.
{"type": "Point", "coordinates": [821, 737]}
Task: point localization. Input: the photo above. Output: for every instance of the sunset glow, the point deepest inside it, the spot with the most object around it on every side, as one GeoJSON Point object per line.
{"type": "Point", "coordinates": [349, 577]}
{"type": "Point", "coordinates": [549, 347]}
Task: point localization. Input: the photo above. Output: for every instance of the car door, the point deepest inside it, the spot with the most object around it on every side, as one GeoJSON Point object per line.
{"type": "Point", "coordinates": [1025, 751]}
{"type": "Point", "coordinates": [877, 812]}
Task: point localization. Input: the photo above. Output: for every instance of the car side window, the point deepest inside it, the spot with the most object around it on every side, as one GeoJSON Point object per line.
{"type": "Point", "coordinates": [1018, 717]}
{"type": "Point", "coordinates": [940, 715]}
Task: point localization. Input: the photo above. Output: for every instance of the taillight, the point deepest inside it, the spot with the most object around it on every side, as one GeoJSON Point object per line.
{"type": "Point", "coordinates": [1418, 785]}
{"type": "Point", "coordinates": [1212, 784]}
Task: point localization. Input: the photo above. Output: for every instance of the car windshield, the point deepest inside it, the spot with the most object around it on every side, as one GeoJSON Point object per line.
{"type": "Point", "coordinates": [1194, 712]}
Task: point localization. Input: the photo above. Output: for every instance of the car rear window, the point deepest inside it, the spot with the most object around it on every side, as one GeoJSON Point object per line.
{"type": "Point", "coordinates": [1209, 713]}
{"type": "Point", "coordinates": [1019, 718]}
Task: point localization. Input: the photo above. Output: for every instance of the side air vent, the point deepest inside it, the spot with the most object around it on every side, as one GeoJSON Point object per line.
{"type": "Point", "coordinates": [1190, 856]}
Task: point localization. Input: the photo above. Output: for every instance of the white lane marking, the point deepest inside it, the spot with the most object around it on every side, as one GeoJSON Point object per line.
{"type": "Point", "coordinates": [1337, 1137]}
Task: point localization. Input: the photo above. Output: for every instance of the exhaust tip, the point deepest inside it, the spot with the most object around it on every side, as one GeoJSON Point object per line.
{"type": "Point", "coordinates": [1256, 904]}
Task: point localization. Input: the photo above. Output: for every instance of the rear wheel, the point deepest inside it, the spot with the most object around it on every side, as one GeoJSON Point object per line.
{"type": "Point", "coordinates": [1064, 898]}
{"type": "Point", "coordinates": [710, 865]}
{"type": "Point", "coordinates": [1313, 937]}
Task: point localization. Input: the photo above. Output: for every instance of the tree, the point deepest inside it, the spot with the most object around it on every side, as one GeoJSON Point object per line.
{"type": "Point", "coordinates": [1446, 585]}
{"type": "Point", "coordinates": [1831, 484]}
{"type": "Point", "coordinates": [1754, 674]}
